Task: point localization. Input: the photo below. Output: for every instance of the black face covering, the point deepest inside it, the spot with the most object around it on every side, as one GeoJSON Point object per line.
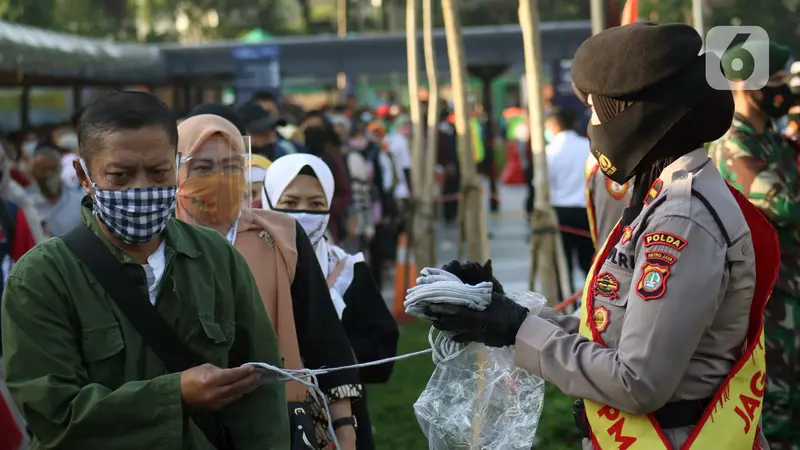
{"type": "Point", "coordinates": [775, 101]}
{"type": "Point", "coordinates": [659, 123]}
{"type": "Point", "coordinates": [621, 143]}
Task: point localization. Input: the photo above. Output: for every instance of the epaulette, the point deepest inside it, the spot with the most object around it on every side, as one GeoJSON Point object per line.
{"type": "Point", "coordinates": [679, 192]}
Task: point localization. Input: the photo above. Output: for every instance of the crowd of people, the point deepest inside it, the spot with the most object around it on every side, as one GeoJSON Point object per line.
{"type": "Point", "coordinates": [189, 247]}
{"type": "Point", "coordinates": [310, 203]}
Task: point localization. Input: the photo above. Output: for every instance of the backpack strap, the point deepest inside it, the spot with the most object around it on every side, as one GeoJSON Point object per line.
{"type": "Point", "coordinates": [145, 318]}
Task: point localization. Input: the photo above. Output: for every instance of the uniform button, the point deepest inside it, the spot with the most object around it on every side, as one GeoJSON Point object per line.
{"type": "Point", "coordinates": [745, 250]}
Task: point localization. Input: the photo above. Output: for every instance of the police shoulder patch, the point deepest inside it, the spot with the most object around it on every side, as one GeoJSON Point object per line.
{"type": "Point", "coordinates": [606, 285]}
{"type": "Point", "coordinates": [601, 318]}
{"type": "Point", "coordinates": [652, 283]}
{"type": "Point", "coordinates": [662, 238]}
{"type": "Point", "coordinates": [615, 189]}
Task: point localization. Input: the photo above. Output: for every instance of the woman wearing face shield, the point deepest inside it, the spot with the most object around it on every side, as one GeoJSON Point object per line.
{"type": "Point", "coordinates": [212, 190]}
{"type": "Point", "coordinates": [302, 186]}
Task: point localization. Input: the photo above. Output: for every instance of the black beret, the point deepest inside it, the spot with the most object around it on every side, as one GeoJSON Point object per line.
{"type": "Point", "coordinates": [626, 60]}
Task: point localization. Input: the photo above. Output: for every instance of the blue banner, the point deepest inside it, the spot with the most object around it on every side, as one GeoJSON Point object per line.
{"type": "Point", "coordinates": [257, 68]}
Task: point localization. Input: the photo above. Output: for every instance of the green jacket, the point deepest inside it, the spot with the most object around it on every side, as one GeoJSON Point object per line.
{"type": "Point", "coordinates": [82, 375]}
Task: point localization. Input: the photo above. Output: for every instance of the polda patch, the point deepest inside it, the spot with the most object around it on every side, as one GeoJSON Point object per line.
{"type": "Point", "coordinates": [615, 189]}
{"type": "Point", "coordinates": [652, 284]}
{"type": "Point", "coordinates": [661, 238]}
{"type": "Point", "coordinates": [601, 318]}
{"type": "Point", "coordinates": [606, 285]}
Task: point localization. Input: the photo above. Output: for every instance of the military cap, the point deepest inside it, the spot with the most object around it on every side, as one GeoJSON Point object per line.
{"type": "Point", "coordinates": [626, 60]}
{"type": "Point", "coordinates": [743, 55]}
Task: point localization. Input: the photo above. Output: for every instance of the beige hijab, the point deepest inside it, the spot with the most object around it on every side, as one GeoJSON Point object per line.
{"type": "Point", "coordinates": [266, 239]}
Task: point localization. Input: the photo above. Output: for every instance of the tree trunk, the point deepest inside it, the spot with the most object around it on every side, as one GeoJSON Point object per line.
{"type": "Point", "coordinates": [473, 216]}
{"type": "Point", "coordinates": [305, 8]}
{"type": "Point", "coordinates": [543, 220]}
{"type": "Point", "coordinates": [416, 240]}
{"type": "Point", "coordinates": [427, 232]}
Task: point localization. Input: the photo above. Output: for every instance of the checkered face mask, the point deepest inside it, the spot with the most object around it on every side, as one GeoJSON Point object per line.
{"type": "Point", "coordinates": [135, 216]}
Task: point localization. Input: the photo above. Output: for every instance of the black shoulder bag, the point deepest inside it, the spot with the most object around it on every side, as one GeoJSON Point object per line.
{"type": "Point", "coordinates": [143, 315]}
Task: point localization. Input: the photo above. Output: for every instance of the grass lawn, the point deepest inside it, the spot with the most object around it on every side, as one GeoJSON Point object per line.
{"type": "Point", "coordinates": [392, 413]}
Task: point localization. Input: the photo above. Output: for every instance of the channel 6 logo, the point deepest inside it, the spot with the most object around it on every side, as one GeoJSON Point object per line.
{"type": "Point", "coordinates": [750, 65]}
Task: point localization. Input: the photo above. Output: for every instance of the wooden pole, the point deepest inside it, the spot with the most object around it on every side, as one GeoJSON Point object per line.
{"type": "Point", "coordinates": [412, 54]}
{"type": "Point", "coordinates": [473, 216]}
{"type": "Point", "coordinates": [698, 18]}
{"type": "Point", "coordinates": [416, 224]}
{"type": "Point", "coordinates": [426, 250]}
{"type": "Point", "coordinates": [543, 220]}
{"type": "Point", "coordinates": [599, 15]}
{"type": "Point", "coordinates": [341, 29]}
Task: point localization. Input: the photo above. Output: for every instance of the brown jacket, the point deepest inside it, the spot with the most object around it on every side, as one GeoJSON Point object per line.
{"type": "Point", "coordinates": [267, 239]}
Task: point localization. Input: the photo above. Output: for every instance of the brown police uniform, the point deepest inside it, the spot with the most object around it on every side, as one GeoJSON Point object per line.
{"type": "Point", "coordinates": [671, 302]}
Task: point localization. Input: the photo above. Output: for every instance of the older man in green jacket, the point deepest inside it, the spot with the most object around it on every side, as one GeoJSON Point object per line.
{"type": "Point", "coordinates": [81, 372]}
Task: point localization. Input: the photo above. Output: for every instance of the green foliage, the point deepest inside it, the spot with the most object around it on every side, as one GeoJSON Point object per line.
{"type": "Point", "coordinates": [396, 427]}
{"type": "Point", "coordinates": [153, 20]}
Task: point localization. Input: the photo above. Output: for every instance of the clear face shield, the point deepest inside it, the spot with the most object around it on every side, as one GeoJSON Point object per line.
{"type": "Point", "coordinates": [213, 180]}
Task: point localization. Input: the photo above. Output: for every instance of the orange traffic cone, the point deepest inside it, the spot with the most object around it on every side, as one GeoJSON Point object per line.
{"type": "Point", "coordinates": [405, 277]}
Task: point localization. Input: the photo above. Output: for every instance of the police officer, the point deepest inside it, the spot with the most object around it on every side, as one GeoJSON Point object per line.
{"type": "Point", "coordinates": [666, 352]}
{"type": "Point", "coordinates": [755, 158]}
{"type": "Point", "coordinates": [605, 201]}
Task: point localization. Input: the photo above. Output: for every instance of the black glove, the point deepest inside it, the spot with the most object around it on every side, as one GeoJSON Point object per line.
{"type": "Point", "coordinates": [495, 326]}
{"type": "Point", "coordinates": [474, 273]}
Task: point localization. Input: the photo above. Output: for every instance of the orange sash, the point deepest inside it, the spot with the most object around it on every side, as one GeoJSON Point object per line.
{"type": "Point", "coordinates": [735, 410]}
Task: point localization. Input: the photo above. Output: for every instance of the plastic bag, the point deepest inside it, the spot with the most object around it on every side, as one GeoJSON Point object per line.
{"type": "Point", "coordinates": [477, 398]}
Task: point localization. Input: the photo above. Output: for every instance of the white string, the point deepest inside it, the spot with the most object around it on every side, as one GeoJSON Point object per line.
{"type": "Point", "coordinates": [442, 348]}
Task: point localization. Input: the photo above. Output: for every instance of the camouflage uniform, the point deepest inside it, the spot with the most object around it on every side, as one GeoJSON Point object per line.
{"type": "Point", "coordinates": [763, 167]}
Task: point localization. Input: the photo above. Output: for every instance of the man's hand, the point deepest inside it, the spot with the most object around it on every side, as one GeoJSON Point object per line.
{"type": "Point", "coordinates": [211, 388]}
{"type": "Point", "coordinates": [495, 326]}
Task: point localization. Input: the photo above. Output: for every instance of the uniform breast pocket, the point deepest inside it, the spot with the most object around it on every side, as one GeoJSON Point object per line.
{"type": "Point", "coordinates": [103, 353]}
{"type": "Point", "coordinates": [214, 338]}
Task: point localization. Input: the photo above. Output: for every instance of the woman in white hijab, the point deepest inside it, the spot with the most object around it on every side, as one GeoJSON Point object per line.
{"type": "Point", "coordinates": [302, 186]}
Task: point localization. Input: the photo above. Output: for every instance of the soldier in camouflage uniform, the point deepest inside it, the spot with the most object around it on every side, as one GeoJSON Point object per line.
{"type": "Point", "coordinates": [754, 158]}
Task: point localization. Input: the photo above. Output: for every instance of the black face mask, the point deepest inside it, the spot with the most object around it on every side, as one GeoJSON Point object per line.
{"type": "Point", "coordinates": [621, 143]}
{"type": "Point", "coordinates": [775, 101]}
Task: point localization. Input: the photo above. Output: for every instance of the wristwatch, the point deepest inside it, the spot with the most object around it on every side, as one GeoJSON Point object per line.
{"type": "Point", "coordinates": [345, 421]}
